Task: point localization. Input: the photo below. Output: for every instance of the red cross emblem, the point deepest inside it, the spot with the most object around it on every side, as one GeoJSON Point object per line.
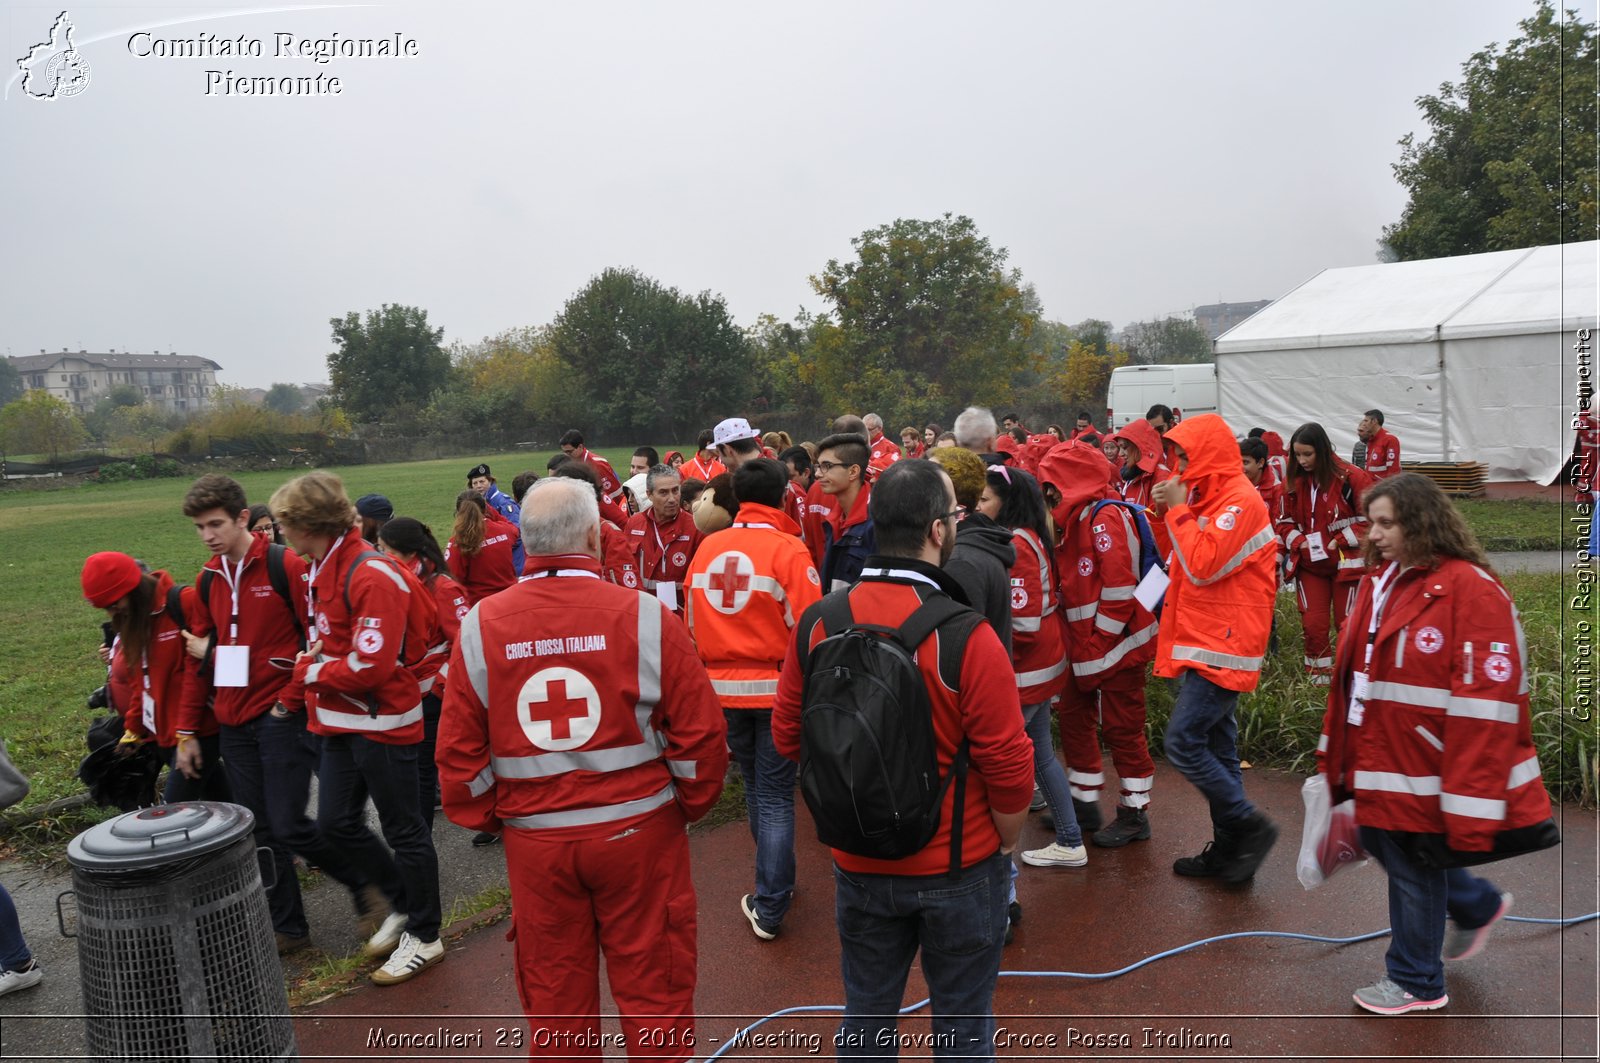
{"type": "Point", "coordinates": [1085, 567]}
{"type": "Point", "coordinates": [1430, 640]}
{"type": "Point", "coordinates": [559, 709]}
{"type": "Point", "coordinates": [1019, 598]}
{"type": "Point", "coordinates": [728, 582]}
{"type": "Point", "coordinates": [1498, 667]}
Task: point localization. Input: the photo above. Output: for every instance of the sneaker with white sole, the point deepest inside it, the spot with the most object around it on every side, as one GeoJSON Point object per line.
{"type": "Point", "coordinates": [27, 976]}
{"type": "Point", "coordinates": [410, 958]}
{"type": "Point", "coordinates": [1386, 998]}
{"type": "Point", "coordinates": [1057, 855]}
{"type": "Point", "coordinates": [1038, 804]}
{"type": "Point", "coordinates": [1463, 943]}
{"type": "Point", "coordinates": [386, 938]}
{"type": "Point", "coordinates": [764, 930]}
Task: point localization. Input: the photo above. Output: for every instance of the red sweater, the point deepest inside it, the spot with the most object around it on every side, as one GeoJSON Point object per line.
{"type": "Point", "coordinates": [490, 569]}
{"type": "Point", "coordinates": [163, 664]}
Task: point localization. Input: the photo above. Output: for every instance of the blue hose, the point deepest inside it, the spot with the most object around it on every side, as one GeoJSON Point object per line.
{"type": "Point", "coordinates": [910, 1008]}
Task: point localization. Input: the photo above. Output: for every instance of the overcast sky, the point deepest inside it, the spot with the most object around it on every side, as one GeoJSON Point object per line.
{"type": "Point", "coordinates": [1136, 159]}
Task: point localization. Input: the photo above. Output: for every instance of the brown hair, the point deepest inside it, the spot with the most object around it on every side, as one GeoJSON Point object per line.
{"type": "Point", "coordinates": [315, 503]}
{"type": "Point", "coordinates": [1431, 524]}
{"type": "Point", "coordinates": [1325, 469]}
{"type": "Point", "coordinates": [133, 626]}
{"type": "Point", "coordinates": [778, 441]}
{"type": "Point", "coordinates": [215, 491]}
{"type": "Point", "coordinates": [471, 510]}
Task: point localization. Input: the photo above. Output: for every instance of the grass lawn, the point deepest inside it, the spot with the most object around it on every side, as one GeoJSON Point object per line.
{"type": "Point", "coordinates": [1517, 524]}
{"type": "Point", "coordinates": [47, 647]}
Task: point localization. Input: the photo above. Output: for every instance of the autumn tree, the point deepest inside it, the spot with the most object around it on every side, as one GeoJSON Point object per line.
{"type": "Point", "coordinates": [40, 423]}
{"type": "Point", "coordinates": [925, 319]}
{"type": "Point", "coordinates": [1509, 159]}
{"type": "Point", "coordinates": [1169, 341]}
{"type": "Point", "coordinates": [388, 364]}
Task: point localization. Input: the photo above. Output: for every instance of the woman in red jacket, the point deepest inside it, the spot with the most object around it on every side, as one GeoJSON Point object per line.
{"type": "Point", "coordinates": [480, 548]}
{"type": "Point", "coordinates": [1322, 526]}
{"type": "Point", "coordinates": [1427, 727]}
{"type": "Point", "coordinates": [147, 666]}
{"type": "Point", "coordinates": [1012, 499]}
{"type": "Point", "coordinates": [411, 542]}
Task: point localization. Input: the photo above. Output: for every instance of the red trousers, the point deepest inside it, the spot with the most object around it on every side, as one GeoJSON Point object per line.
{"type": "Point", "coordinates": [1118, 710]}
{"type": "Point", "coordinates": [628, 895]}
{"type": "Point", "coordinates": [1317, 595]}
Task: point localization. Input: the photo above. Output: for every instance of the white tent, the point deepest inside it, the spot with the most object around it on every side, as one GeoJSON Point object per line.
{"type": "Point", "coordinates": [1469, 358]}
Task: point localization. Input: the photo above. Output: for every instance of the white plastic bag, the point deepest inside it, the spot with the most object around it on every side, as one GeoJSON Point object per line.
{"type": "Point", "coordinates": [1331, 840]}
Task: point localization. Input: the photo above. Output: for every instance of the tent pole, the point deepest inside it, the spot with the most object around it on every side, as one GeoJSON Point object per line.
{"type": "Point", "coordinates": [1444, 396]}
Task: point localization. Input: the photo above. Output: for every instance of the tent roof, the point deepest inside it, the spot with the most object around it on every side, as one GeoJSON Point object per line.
{"type": "Point", "coordinates": [1530, 290]}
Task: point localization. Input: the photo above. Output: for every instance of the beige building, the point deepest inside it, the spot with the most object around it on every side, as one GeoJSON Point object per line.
{"type": "Point", "coordinates": [177, 383]}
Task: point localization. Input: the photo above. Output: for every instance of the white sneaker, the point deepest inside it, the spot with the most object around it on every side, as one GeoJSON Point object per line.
{"type": "Point", "coordinates": [1057, 855]}
{"type": "Point", "coordinates": [410, 958]}
{"type": "Point", "coordinates": [386, 937]}
{"type": "Point", "coordinates": [27, 978]}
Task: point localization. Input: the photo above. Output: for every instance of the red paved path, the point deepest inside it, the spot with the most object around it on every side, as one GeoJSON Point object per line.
{"type": "Point", "coordinates": [1531, 995]}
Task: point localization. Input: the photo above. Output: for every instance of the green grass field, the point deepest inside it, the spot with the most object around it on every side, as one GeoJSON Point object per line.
{"type": "Point", "coordinates": [47, 646]}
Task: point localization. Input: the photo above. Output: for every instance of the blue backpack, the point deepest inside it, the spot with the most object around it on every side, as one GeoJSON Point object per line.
{"type": "Point", "coordinates": [1149, 553]}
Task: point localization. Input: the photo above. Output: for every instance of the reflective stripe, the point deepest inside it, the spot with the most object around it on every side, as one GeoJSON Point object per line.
{"type": "Point", "coordinates": [1121, 650]}
{"type": "Point", "coordinates": [1133, 800]}
{"type": "Point", "coordinates": [582, 817]}
{"type": "Point", "coordinates": [1326, 662]}
{"type": "Point", "coordinates": [1341, 524]}
{"type": "Point", "coordinates": [1138, 786]}
{"type": "Point", "coordinates": [387, 568]}
{"type": "Point", "coordinates": [360, 721]}
{"type": "Point", "coordinates": [1085, 779]}
{"type": "Point", "coordinates": [1322, 744]}
{"type": "Point", "coordinates": [1523, 774]}
{"type": "Point", "coordinates": [355, 663]}
{"type": "Point", "coordinates": [1082, 612]}
{"type": "Point", "coordinates": [1352, 562]}
{"type": "Point", "coordinates": [470, 639]}
{"type": "Point", "coordinates": [650, 610]}
{"type": "Point", "coordinates": [1321, 681]}
{"type": "Point", "coordinates": [745, 687]}
{"type": "Point", "coordinates": [313, 673]}
{"type": "Point", "coordinates": [1086, 796]}
{"type": "Point", "coordinates": [544, 765]}
{"type": "Point", "coordinates": [1484, 709]}
{"type": "Point", "coordinates": [1217, 660]}
{"type": "Point", "coordinates": [1108, 624]}
{"type": "Point", "coordinates": [480, 783]}
{"type": "Point", "coordinates": [683, 769]}
{"type": "Point", "coordinates": [1041, 675]}
{"type": "Point", "coordinates": [1044, 569]}
{"type": "Point", "coordinates": [1472, 807]}
{"type": "Point", "coordinates": [1428, 737]}
{"type": "Point", "coordinates": [1118, 594]}
{"type": "Point", "coordinates": [1254, 543]}
{"type": "Point", "coordinates": [1394, 783]}
{"type": "Point", "coordinates": [1440, 698]}
{"type": "Point", "coordinates": [765, 584]}
{"type": "Point", "coordinates": [1025, 623]}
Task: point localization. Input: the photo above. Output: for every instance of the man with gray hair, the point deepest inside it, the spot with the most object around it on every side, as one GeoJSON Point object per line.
{"type": "Point", "coordinates": [664, 537]}
{"type": "Point", "coordinates": [975, 430]}
{"type": "Point", "coordinates": [579, 722]}
{"type": "Point", "coordinates": [883, 449]}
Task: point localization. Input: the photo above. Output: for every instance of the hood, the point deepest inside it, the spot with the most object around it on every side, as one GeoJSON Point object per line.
{"type": "Point", "coordinates": [1142, 434]}
{"type": "Point", "coordinates": [1080, 472]}
{"type": "Point", "coordinates": [1213, 452]}
{"type": "Point", "coordinates": [1274, 444]}
{"type": "Point", "coordinates": [978, 532]}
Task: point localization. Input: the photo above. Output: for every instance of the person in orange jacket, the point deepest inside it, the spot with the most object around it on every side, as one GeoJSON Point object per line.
{"type": "Point", "coordinates": [747, 585]}
{"type": "Point", "coordinates": [1215, 624]}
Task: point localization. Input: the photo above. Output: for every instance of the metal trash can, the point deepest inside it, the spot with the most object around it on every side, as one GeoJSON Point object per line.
{"type": "Point", "coordinates": [175, 941]}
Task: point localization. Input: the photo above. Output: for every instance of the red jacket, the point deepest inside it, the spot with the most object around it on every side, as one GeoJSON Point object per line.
{"type": "Point", "coordinates": [163, 665]}
{"type": "Point", "coordinates": [618, 563]}
{"type": "Point", "coordinates": [490, 569]}
{"type": "Point", "coordinates": [794, 505]}
{"type": "Point", "coordinates": [821, 509]}
{"type": "Point", "coordinates": [883, 452]}
{"type": "Point", "coordinates": [696, 469]}
{"type": "Point", "coordinates": [975, 698]}
{"type": "Point", "coordinates": [1444, 743]}
{"type": "Point", "coordinates": [450, 601]}
{"type": "Point", "coordinates": [1383, 455]}
{"type": "Point", "coordinates": [266, 625]}
{"type": "Point", "coordinates": [664, 550]}
{"type": "Point", "coordinates": [1038, 652]}
{"type": "Point", "coordinates": [576, 708]}
{"type": "Point", "coordinates": [359, 683]}
{"type": "Point", "coordinates": [610, 485]}
{"type": "Point", "coordinates": [1337, 516]}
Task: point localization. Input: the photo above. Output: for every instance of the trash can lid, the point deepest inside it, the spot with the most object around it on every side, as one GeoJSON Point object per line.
{"type": "Point", "coordinates": [151, 837]}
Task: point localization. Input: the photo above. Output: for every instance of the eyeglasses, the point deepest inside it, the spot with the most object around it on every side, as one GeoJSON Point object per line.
{"type": "Point", "coordinates": [1003, 471]}
{"type": "Point", "coordinates": [958, 513]}
{"type": "Point", "coordinates": [829, 466]}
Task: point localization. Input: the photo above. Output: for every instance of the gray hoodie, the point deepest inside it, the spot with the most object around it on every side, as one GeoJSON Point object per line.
{"type": "Point", "coordinates": [981, 563]}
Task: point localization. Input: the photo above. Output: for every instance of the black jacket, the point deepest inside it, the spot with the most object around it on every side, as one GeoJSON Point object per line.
{"type": "Point", "coordinates": [981, 563]}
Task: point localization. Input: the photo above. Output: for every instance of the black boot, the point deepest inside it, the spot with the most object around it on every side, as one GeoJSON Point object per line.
{"type": "Point", "coordinates": [1131, 825]}
{"type": "Point", "coordinates": [1252, 840]}
{"type": "Point", "coordinates": [1211, 860]}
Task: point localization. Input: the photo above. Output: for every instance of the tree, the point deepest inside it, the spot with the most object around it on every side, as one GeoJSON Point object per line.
{"type": "Point", "coordinates": [1167, 342]}
{"type": "Point", "coordinates": [651, 362]}
{"type": "Point", "coordinates": [1510, 159]}
{"type": "Point", "coordinates": [925, 319]}
{"type": "Point", "coordinates": [1085, 377]}
{"type": "Point", "coordinates": [11, 387]}
{"type": "Point", "coordinates": [40, 423]}
{"type": "Point", "coordinates": [284, 398]}
{"type": "Point", "coordinates": [387, 366]}
{"type": "Point", "coordinates": [101, 421]}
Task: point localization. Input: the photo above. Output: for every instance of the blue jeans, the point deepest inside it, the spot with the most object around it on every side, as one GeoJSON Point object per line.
{"type": "Point", "coordinates": [1419, 900]}
{"type": "Point", "coordinates": [1049, 776]}
{"type": "Point", "coordinates": [213, 782]}
{"type": "Point", "coordinates": [768, 805]}
{"type": "Point", "coordinates": [14, 954]}
{"type": "Point", "coordinates": [959, 921]}
{"type": "Point", "coordinates": [1202, 742]}
{"type": "Point", "coordinates": [354, 766]}
{"type": "Point", "coordinates": [269, 761]}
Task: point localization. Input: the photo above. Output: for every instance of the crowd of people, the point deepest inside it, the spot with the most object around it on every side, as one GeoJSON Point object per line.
{"type": "Point", "coordinates": [572, 672]}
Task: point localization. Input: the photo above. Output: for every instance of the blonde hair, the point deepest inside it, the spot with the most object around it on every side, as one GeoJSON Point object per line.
{"type": "Point", "coordinates": [314, 503]}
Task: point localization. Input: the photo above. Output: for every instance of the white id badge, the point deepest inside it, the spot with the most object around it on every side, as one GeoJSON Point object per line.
{"type": "Point", "coordinates": [1358, 703]}
{"type": "Point", "coordinates": [1314, 545]}
{"type": "Point", "coordinates": [667, 592]}
{"type": "Point", "coordinates": [1358, 685]}
{"type": "Point", "coordinates": [230, 666]}
{"type": "Point", "coordinates": [149, 713]}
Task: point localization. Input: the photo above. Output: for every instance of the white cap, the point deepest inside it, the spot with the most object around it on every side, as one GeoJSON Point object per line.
{"type": "Point", "coordinates": [731, 429]}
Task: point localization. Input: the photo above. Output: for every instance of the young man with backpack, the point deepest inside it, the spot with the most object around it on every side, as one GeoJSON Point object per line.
{"type": "Point", "coordinates": [374, 621]}
{"type": "Point", "coordinates": [1105, 548]}
{"type": "Point", "coordinates": [959, 769]}
{"type": "Point", "coordinates": [245, 629]}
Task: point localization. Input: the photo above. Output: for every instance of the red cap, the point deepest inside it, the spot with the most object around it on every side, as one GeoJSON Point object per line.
{"type": "Point", "coordinates": [109, 576]}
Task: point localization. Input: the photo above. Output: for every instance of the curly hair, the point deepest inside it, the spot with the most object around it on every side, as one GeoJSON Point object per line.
{"type": "Point", "coordinates": [1431, 524]}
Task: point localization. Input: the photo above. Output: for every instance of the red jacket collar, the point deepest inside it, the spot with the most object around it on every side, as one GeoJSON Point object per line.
{"type": "Point", "coordinates": [537, 563]}
{"type": "Point", "coordinates": [755, 513]}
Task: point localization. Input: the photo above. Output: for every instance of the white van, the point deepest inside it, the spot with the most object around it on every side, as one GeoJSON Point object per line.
{"type": "Point", "coordinates": [1187, 389]}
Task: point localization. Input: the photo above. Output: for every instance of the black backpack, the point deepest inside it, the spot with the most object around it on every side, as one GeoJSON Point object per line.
{"type": "Point", "coordinates": [277, 575]}
{"type": "Point", "coordinates": [869, 764]}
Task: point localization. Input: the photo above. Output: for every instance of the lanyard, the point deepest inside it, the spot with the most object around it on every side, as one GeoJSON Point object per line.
{"type": "Point", "coordinates": [316, 566]}
{"type": "Point", "coordinates": [547, 573]}
{"type": "Point", "coordinates": [233, 580]}
{"type": "Point", "coordinates": [1380, 597]}
{"type": "Point", "coordinates": [661, 562]}
{"type": "Point", "coordinates": [900, 573]}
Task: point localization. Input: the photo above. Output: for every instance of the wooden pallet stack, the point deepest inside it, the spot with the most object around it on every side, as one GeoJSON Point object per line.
{"type": "Point", "coordinates": [1461, 479]}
